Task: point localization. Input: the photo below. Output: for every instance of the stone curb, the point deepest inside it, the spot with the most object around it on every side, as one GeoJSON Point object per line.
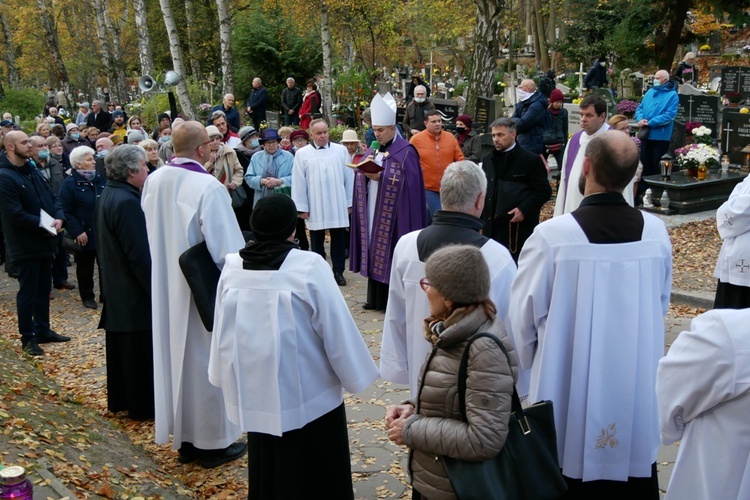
{"type": "Point", "coordinates": [693, 298]}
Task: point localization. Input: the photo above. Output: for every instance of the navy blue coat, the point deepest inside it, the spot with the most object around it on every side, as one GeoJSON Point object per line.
{"type": "Point", "coordinates": [258, 100]}
{"type": "Point", "coordinates": [23, 193]}
{"type": "Point", "coordinates": [532, 120]}
{"type": "Point", "coordinates": [124, 258]}
{"type": "Point", "coordinates": [78, 198]}
{"type": "Point", "coordinates": [596, 76]}
{"type": "Point", "coordinates": [233, 116]}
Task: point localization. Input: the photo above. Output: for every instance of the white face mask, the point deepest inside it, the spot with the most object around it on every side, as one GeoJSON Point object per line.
{"type": "Point", "coordinates": [603, 63]}
{"type": "Point", "coordinates": [657, 83]}
{"type": "Point", "coordinates": [419, 100]}
{"type": "Point", "coordinates": [522, 94]}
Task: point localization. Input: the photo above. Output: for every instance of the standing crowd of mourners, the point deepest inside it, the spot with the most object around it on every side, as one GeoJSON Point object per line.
{"type": "Point", "coordinates": [223, 318]}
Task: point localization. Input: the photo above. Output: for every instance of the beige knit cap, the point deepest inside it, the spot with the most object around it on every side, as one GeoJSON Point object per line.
{"type": "Point", "coordinates": [459, 273]}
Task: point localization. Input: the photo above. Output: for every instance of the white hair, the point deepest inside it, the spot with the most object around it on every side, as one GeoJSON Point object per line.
{"type": "Point", "coordinates": [79, 154]}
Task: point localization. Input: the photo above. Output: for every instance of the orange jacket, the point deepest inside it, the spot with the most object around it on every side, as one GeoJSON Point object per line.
{"type": "Point", "coordinates": [435, 154]}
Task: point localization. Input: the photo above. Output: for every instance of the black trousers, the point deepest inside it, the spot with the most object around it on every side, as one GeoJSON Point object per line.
{"type": "Point", "coordinates": [32, 299]}
{"type": "Point", "coordinates": [85, 273]}
{"type": "Point", "coordinates": [130, 373]}
{"type": "Point", "coordinates": [651, 153]}
{"type": "Point", "coordinates": [339, 242]}
{"type": "Point", "coordinates": [60, 263]}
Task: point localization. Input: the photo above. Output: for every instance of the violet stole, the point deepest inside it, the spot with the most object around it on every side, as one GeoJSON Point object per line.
{"type": "Point", "coordinates": [190, 165]}
{"type": "Point", "coordinates": [573, 146]}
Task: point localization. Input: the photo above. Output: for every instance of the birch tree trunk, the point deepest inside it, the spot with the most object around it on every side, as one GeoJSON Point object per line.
{"type": "Point", "coordinates": [114, 31]}
{"type": "Point", "coordinates": [325, 36]}
{"type": "Point", "coordinates": [174, 49]}
{"type": "Point", "coordinates": [225, 37]}
{"type": "Point", "coordinates": [486, 49]}
{"type": "Point", "coordinates": [195, 64]}
{"type": "Point", "coordinates": [144, 42]}
{"type": "Point", "coordinates": [10, 51]}
{"type": "Point", "coordinates": [105, 47]}
{"type": "Point", "coordinates": [53, 48]}
{"type": "Point", "coordinates": [541, 34]}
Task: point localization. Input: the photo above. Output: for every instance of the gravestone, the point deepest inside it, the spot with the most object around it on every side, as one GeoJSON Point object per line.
{"type": "Point", "coordinates": [400, 114]}
{"type": "Point", "coordinates": [735, 79]}
{"type": "Point", "coordinates": [272, 118]}
{"type": "Point", "coordinates": [688, 89]}
{"type": "Point", "coordinates": [574, 118]}
{"type": "Point", "coordinates": [563, 88]}
{"type": "Point", "coordinates": [448, 109]}
{"type": "Point", "coordinates": [714, 41]}
{"type": "Point", "coordinates": [735, 135]}
{"type": "Point", "coordinates": [485, 114]}
{"type": "Point", "coordinates": [700, 108]}
{"type": "Point", "coordinates": [383, 88]}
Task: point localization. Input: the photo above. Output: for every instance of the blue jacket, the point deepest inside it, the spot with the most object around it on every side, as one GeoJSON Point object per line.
{"type": "Point", "coordinates": [531, 121]}
{"type": "Point", "coordinates": [233, 116]}
{"type": "Point", "coordinates": [23, 193]}
{"type": "Point", "coordinates": [78, 198]}
{"type": "Point", "coordinates": [258, 100]}
{"type": "Point", "coordinates": [260, 166]}
{"type": "Point", "coordinates": [659, 107]}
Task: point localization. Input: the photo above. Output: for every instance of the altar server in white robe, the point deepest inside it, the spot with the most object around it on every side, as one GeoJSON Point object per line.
{"type": "Point", "coordinates": [462, 192]}
{"type": "Point", "coordinates": [703, 388]}
{"type": "Point", "coordinates": [184, 206]}
{"type": "Point", "coordinates": [733, 265]}
{"type": "Point", "coordinates": [322, 189]}
{"type": "Point", "coordinates": [593, 109]}
{"type": "Point", "coordinates": [284, 348]}
{"type": "Point", "coordinates": [587, 315]}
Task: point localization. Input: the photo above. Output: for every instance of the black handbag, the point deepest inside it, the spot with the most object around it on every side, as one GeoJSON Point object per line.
{"type": "Point", "coordinates": [526, 468]}
{"type": "Point", "coordinates": [238, 194]}
{"type": "Point", "coordinates": [643, 133]}
{"type": "Point", "coordinates": [202, 277]}
{"type": "Point", "coordinates": [70, 244]}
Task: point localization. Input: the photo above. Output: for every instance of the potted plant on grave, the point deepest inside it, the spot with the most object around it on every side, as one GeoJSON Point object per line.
{"type": "Point", "coordinates": [705, 49]}
{"type": "Point", "coordinates": [702, 135]}
{"type": "Point", "coordinates": [690, 127]}
{"type": "Point", "coordinates": [693, 156]}
{"type": "Point", "coordinates": [627, 107]}
{"type": "Point", "coordinates": [734, 98]}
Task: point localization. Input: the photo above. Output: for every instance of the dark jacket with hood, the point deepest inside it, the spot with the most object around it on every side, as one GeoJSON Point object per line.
{"type": "Point", "coordinates": [23, 193]}
{"type": "Point", "coordinates": [532, 120]}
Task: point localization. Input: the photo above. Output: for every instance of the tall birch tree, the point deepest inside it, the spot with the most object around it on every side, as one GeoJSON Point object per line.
{"type": "Point", "coordinates": [53, 48]}
{"type": "Point", "coordinates": [225, 37]}
{"type": "Point", "coordinates": [144, 43]}
{"type": "Point", "coordinates": [325, 36]}
{"type": "Point", "coordinates": [176, 52]}
{"type": "Point", "coordinates": [10, 49]}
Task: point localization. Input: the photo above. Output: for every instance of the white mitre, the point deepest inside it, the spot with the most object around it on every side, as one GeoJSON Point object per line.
{"type": "Point", "coordinates": [383, 110]}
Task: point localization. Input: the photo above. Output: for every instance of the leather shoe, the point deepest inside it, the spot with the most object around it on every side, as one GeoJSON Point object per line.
{"type": "Point", "coordinates": [52, 336]}
{"type": "Point", "coordinates": [32, 348]}
{"type": "Point", "coordinates": [90, 303]}
{"type": "Point", "coordinates": [339, 277]}
{"type": "Point", "coordinates": [65, 285]}
{"type": "Point", "coordinates": [188, 453]}
{"type": "Point", "coordinates": [367, 306]}
{"type": "Point", "coordinates": [208, 459]}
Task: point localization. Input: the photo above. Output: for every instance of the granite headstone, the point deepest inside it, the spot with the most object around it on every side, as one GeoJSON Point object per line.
{"type": "Point", "coordinates": [735, 135]}
{"type": "Point", "coordinates": [700, 108]}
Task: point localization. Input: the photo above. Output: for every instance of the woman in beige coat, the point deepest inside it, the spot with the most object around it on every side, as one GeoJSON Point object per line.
{"type": "Point", "coordinates": [223, 164]}
{"type": "Point", "coordinates": [457, 284]}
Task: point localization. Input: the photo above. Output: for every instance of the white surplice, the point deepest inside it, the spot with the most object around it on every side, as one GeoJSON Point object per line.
{"type": "Point", "coordinates": [703, 388]}
{"type": "Point", "coordinates": [569, 197]}
{"type": "Point", "coordinates": [404, 347]}
{"type": "Point", "coordinates": [588, 319]}
{"type": "Point", "coordinates": [285, 344]}
{"type": "Point", "coordinates": [733, 223]}
{"type": "Point", "coordinates": [323, 186]}
{"type": "Point", "coordinates": [184, 208]}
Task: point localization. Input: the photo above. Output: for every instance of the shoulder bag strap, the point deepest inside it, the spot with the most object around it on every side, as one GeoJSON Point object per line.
{"type": "Point", "coordinates": [463, 375]}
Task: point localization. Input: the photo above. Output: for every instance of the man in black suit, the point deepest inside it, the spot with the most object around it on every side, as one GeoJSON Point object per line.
{"type": "Point", "coordinates": [98, 117]}
{"type": "Point", "coordinates": [517, 187]}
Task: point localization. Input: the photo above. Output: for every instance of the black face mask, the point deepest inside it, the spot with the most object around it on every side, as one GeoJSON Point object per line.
{"type": "Point", "coordinates": [460, 130]}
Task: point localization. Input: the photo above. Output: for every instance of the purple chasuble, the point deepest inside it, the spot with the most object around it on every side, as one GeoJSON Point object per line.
{"type": "Point", "coordinates": [400, 208]}
{"type": "Point", "coordinates": [573, 146]}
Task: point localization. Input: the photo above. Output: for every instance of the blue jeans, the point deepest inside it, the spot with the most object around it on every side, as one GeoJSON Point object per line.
{"type": "Point", "coordinates": [32, 300]}
{"type": "Point", "coordinates": [433, 202]}
{"type": "Point", "coordinates": [338, 246]}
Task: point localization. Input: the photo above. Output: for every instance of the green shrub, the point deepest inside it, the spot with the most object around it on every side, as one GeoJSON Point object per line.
{"type": "Point", "coordinates": [26, 103]}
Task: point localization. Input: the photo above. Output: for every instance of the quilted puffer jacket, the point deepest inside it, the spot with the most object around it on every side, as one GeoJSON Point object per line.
{"type": "Point", "coordinates": [436, 427]}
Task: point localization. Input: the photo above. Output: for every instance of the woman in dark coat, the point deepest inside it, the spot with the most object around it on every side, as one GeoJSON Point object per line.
{"type": "Point", "coordinates": [78, 195]}
{"type": "Point", "coordinates": [126, 267]}
{"type": "Point", "coordinates": [468, 139]}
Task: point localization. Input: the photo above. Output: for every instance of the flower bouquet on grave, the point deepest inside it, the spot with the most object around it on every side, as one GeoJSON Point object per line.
{"type": "Point", "coordinates": [734, 97]}
{"type": "Point", "coordinates": [702, 135]}
{"type": "Point", "coordinates": [627, 107]}
{"type": "Point", "coordinates": [690, 157]}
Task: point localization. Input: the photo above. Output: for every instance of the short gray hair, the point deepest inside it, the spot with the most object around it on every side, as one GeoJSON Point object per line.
{"type": "Point", "coordinates": [79, 154]}
{"type": "Point", "coordinates": [217, 114]}
{"type": "Point", "coordinates": [124, 160]}
{"type": "Point", "coordinates": [506, 122]}
{"type": "Point", "coordinates": [463, 181]}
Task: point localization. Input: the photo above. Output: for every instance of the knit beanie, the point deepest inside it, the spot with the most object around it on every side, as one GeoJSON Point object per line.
{"type": "Point", "coordinates": [459, 273]}
{"type": "Point", "coordinates": [556, 96]}
{"type": "Point", "coordinates": [117, 112]}
{"type": "Point", "coordinates": [274, 217]}
{"type": "Point", "coordinates": [70, 127]}
{"type": "Point", "coordinates": [465, 119]}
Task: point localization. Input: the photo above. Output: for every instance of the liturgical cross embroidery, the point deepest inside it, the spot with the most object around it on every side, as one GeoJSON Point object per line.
{"type": "Point", "coordinates": [729, 219]}
{"type": "Point", "coordinates": [742, 266]}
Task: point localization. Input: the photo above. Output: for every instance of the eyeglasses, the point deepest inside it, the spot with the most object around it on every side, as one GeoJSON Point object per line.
{"type": "Point", "coordinates": [203, 144]}
{"type": "Point", "coordinates": [424, 284]}
{"type": "Point", "coordinates": [215, 139]}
